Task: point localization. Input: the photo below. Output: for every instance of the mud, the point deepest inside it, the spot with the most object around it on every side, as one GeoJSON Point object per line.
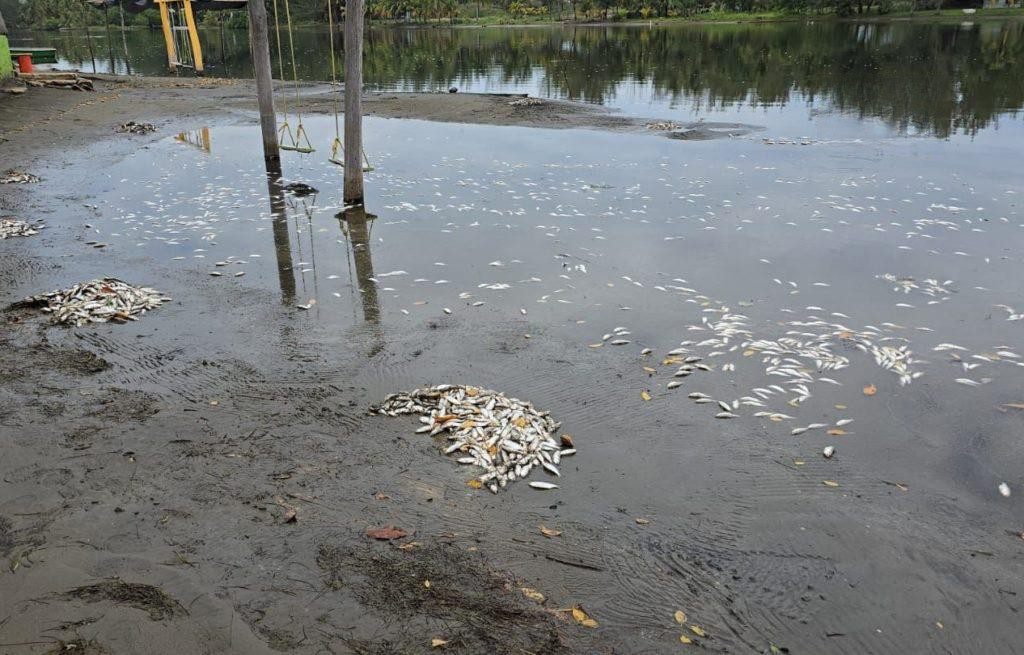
{"type": "Point", "coordinates": [149, 470]}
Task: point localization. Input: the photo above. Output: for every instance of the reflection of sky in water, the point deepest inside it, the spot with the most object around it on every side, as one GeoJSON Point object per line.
{"type": "Point", "coordinates": [590, 230]}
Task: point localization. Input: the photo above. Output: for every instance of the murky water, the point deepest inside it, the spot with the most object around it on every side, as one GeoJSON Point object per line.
{"type": "Point", "coordinates": [907, 78]}
{"type": "Point", "coordinates": [843, 267]}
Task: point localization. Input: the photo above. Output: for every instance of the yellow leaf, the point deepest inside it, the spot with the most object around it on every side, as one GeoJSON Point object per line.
{"type": "Point", "coordinates": [548, 532]}
{"type": "Point", "coordinates": [669, 361]}
{"type": "Point", "coordinates": [583, 618]}
{"type": "Point", "coordinates": [426, 583]}
{"type": "Point", "coordinates": [475, 484]}
{"type": "Point", "coordinates": [645, 395]}
{"type": "Point", "coordinates": [840, 406]}
{"type": "Point", "coordinates": [697, 630]}
{"type": "Point", "coordinates": [798, 462]}
{"type": "Point", "coordinates": [830, 483]}
{"type": "Point", "coordinates": [533, 594]}
{"type": "Point", "coordinates": [870, 390]}
{"type": "Point", "coordinates": [520, 421]}
{"type": "Point", "coordinates": [472, 391]}
{"type": "Point", "coordinates": [685, 639]}
{"type": "Point", "coordinates": [437, 642]}
{"type": "Point", "coordinates": [409, 546]}
{"type": "Point", "coordinates": [748, 353]}
{"type": "Point", "coordinates": [650, 370]}
{"type": "Point", "coordinates": [837, 432]}
{"type": "Point", "coordinates": [680, 616]}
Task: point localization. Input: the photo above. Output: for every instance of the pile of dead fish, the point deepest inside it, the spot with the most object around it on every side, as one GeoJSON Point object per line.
{"type": "Point", "coordinates": [10, 227]}
{"type": "Point", "coordinates": [98, 301]}
{"type": "Point", "coordinates": [72, 81]}
{"type": "Point", "coordinates": [506, 437]}
{"type": "Point", "coordinates": [13, 176]}
{"type": "Point", "coordinates": [663, 126]}
{"type": "Point", "coordinates": [526, 102]}
{"type": "Point", "coordinates": [131, 127]}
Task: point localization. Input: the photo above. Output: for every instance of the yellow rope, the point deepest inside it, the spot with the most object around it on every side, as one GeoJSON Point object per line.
{"type": "Point", "coordinates": [334, 69]}
{"type": "Point", "coordinates": [280, 57]}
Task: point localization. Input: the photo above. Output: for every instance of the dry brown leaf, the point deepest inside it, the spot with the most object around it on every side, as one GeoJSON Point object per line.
{"type": "Point", "coordinates": [669, 361]}
{"type": "Point", "coordinates": [532, 594]}
{"type": "Point", "coordinates": [409, 546]}
{"type": "Point", "coordinates": [380, 495]}
{"type": "Point", "coordinates": [870, 390]}
{"type": "Point", "coordinates": [837, 432]}
{"type": "Point", "coordinates": [830, 483]}
{"type": "Point", "coordinates": [645, 395]}
{"type": "Point", "coordinates": [386, 533]}
{"type": "Point", "coordinates": [474, 484]}
{"type": "Point", "coordinates": [680, 617]}
{"type": "Point", "coordinates": [519, 421]}
{"type": "Point", "coordinates": [583, 618]}
{"type": "Point", "coordinates": [472, 392]}
{"type": "Point", "coordinates": [697, 630]}
{"type": "Point", "coordinates": [567, 441]}
{"type": "Point", "coordinates": [748, 353]}
{"type": "Point", "coordinates": [549, 533]}
{"type": "Point", "coordinates": [437, 642]}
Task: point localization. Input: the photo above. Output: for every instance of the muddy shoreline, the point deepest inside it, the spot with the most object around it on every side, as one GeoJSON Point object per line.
{"type": "Point", "coordinates": [151, 470]}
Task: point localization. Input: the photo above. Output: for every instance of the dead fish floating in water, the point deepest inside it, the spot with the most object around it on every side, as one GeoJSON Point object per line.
{"type": "Point", "coordinates": [506, 437]}
{"type": "Point", "coordinates": [10, 227]}
{"type": "Point", "coordinates": [98, 301]}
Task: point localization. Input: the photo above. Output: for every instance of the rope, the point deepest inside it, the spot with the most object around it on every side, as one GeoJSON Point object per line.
{"type": "Point", "coordinates": [334, 69]}
{"type": "Point", "coordinates": [280, 58]}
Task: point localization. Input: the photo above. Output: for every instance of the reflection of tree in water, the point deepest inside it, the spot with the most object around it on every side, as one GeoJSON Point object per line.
{"type": "Point", "coordinates": [282, 241]}
{"type": "Point", "coordinates": [933, 78]}
{"type": "Point", "coordinates": [355, 224]}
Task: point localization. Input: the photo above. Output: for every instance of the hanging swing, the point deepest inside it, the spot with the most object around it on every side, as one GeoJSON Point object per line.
{"type": "Point", "coordinates": [337, 147]}
{"type": "Point", "coordinates": [296, 141]}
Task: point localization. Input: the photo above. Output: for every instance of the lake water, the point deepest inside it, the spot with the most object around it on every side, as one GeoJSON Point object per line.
{"type": "Point", "coordinates": [850, 275]}
{"type": "Point", "coordinates": [810, 79]}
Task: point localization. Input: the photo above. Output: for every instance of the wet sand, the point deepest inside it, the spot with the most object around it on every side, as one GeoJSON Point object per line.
{"type": "Point", "coordinates": [149, 468]}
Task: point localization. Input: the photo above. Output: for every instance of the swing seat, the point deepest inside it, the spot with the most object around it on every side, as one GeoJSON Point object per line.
{"type": "Point", "coordinates": [303, 149]}
{"type": "Point", "coordinates": [337, 147]}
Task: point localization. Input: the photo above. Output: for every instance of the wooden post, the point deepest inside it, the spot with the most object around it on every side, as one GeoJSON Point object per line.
{"type": "Point", "coordinates": [165, 24]}
{"type": "Point", "coordinates": [260, 43]}
{"type": "Point", "coordinates": [353, 191]}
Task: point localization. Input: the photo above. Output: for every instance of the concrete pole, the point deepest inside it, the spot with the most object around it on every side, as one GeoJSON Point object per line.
{"type": "Point", "coordinates": [353, 192]}
{"type": "Point", "coordinates": [260, 43]}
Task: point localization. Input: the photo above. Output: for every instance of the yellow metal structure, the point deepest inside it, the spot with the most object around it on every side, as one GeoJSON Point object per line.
{"type": "Point", "coordinates": [180, 35]}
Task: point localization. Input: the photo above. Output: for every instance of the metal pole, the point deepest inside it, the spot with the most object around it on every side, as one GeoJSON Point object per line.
{"type": "Point", "coordinates": [260, 43]}
{"type": "Point", "coordinates": [353, 192]}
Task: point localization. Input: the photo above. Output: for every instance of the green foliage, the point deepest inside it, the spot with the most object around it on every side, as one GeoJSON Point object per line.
{"type": "Point", "coordinates": [58, 14]}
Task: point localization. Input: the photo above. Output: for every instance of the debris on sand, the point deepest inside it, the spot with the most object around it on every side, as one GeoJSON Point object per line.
{"type": "Point", "coordinates": [10, 227]}
{"type": "Point", "coordinates": [98, 301]}
{"type": "Point", "coordinates": [505, 436]}
{"type": "Point", "coordinates": [131, 127]}
{"type": "Point", "coordinates": [145, 597]}
{"type": "Point", "coordinates": [526, 102]}
{"type": "Point", "coordinates": [59, 80]}
{"type": "Point", "coordinates": [14, 176]}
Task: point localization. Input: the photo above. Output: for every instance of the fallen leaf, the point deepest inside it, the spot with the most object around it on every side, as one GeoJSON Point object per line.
{"type": "Point", "coordinates": [426, 584]}
{"type": "Point", "coordinates": [475, 484]}
{"type": "Point", "coordinates": [697, 630]}
{"type": "Point", "coordinates": [437, 642]}
{"type": "Point", "coordinates": [669, 361]}
{"type": "Point", "coordinates": [380, 495]}
{"type": "Point", "coordinates": [798, 462]}
{"type": "Point", "coordinates": [409, 546]}
{"type": "Point", "coordinates": [583, 618]}
{"type": "Point", "coordinates": [870, 390]}
{"type": "Point", "coordinates": [643, 521]}
{"type": "Point", "coordinates": [533, 594]}
{"type": "Point", "coordinates": [680, 617]}
{"type": "Point", "coordinates": [748, 353]}
{"type": "Point", "coordinates": [386, 533]}
{"type": "Point", "coordinates": [830, 483]}
{"type": "Point", "coordinates": [837, 432]}
{"type": "Point", "coordinates": [685, 639]}
{"type": "Point", "coordinates": [840, 406]}
{"type": "Point", "coordinates": [549, 533]}
{"type": "Point", "coordinates": [519, 421]}
{"type": "Point", "coordinates": [645, 395]}
{"type": "Point", "coordinates": [567, 441]}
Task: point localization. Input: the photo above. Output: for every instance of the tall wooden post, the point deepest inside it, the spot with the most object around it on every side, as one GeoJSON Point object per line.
{"type": "Point", "coordinates": [353, 192]}
{"type": "Point", "coordinates": [260, 43]}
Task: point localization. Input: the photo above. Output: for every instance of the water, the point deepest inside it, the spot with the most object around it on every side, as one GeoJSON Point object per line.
{"type": "Point", "coordinates": [895, 224]}
{"type": "Point", "coordinates": [897, 78]}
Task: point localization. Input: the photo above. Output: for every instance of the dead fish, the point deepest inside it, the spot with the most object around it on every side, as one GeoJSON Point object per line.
{"type": "Point", "coordinates": [674, 384]}
{"type": "Point", "coordinates": [543, 485]}
{"type": "Point", "coordinates": [619, 342]}
{"type": "Point", "coordinates": [726, 415]}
